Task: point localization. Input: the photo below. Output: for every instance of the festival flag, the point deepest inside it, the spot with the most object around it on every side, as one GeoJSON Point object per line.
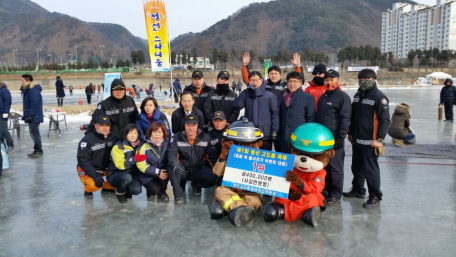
{"type": "Point", "coordinates": [157, 34]}
{"type": "Point", "coordinates": [267, 65]}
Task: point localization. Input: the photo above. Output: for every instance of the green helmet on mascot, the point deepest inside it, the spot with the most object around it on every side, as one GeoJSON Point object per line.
{"type": "Point", "coordinates": [312, 139]}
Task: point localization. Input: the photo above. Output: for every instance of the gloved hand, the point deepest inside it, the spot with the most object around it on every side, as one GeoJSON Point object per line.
{"type": "Point", "coordinates": [379, 151]}
{"type": "Point", "coordinates": [28, 119]}
{"type": "Point", "coordinates": [140, 157]}
{"type": "Point", "coordinates": [293, 178]}
{"type": "Point", "coordinates": [339, 142]}
{"type": "Point", "coordinates": [274, 136]}
{"type": "Point", "coordinates": [5, 116]}
{"type": "Point", "coordinates": [98, 181]}
{"type": "Point", "coordinates": [226, 146]}
{"type": "Point", "coordinates": [179, 169]}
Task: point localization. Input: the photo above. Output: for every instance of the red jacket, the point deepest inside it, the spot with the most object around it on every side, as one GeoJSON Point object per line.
{"type": "Point", "coordinates": [316, 91]}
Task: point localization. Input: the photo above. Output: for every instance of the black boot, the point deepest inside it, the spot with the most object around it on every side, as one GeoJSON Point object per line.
{"type": "Point", "coordinates": [312, 216]}
{"type": "Point", "coordinates": [273, 212]}
{"type": "Point", "coordinates": [325, 200]}
{"type": "Point", "coordinates": [122, 198]}
{"type": "Point", "coordinates": [217, 211]}
{"type": "Point", "coordinates": [241, 215]}
{"type": "Point", "coordinates": [61, 102]}
{"type": "Point", "coordinates": [58, 102]}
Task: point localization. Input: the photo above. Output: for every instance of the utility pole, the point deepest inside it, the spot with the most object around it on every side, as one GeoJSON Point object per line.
{"type": "Point", "coordinates": [38, 57]}
{"type": "Point", "coordinates": [101, 47]}
{"type": "Point", "coordinates": [14, 57]}
{"type": "Point", "coordinates": [76, 52]}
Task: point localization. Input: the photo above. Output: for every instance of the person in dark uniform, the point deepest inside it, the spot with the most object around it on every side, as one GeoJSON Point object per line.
{"type": "Point", "coordinates": [448, 98]}
{"type": "Point", "coordinates": [369, 124]}
{"type": "Point", "coordinates": [200, 92]}
{"type": "Point", "coordinates": [187, 107]}
{"type": "Point", "coordinates": [334, 112]}
{"type": "Point", "coordinates": [191, 157]}
{"type": "Point", "coordinates": [216, 134]}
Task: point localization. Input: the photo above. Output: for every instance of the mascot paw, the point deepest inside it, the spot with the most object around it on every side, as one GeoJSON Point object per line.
{"type": "Point", "coordinates": [293, 195]}
{"type": "Point", "coordinates": [293, 178]}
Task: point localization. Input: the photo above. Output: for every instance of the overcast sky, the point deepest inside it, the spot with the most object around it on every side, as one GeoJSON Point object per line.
{"type": "Point", "coordinates": [183, 15]}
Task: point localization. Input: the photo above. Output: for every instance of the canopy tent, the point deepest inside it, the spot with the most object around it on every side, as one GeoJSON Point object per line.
{"type": "Point", "coordinates": [437, 78]}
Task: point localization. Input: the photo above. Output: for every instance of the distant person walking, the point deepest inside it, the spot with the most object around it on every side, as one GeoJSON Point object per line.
{"type": "Point", "coordinates": [448, 99]}
{"type": "Point", "coordinates": [160, 87]}
{"type": "Point", "coordinates": [177, 90]}
{"type": "Point", "coordinates": [94, 89]}
{"type": "Point", "coordinates": [71, 89]}
{"type": "Point", "coordinates": [60, 90]}
{"type": "Point", "coordinates": [99, 88]}
{"type": "Point", "coordinates": [5, 97]}
{"type": "Point", "coordinates": [89, 93]}
{"type": "Point", "coordinates": [33, 112]}
{"type": "Point", "coordinates": [239, 86]}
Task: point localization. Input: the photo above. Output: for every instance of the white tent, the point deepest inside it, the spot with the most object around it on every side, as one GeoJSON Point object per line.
{"type": "Point", "coordinates": [437, 78]}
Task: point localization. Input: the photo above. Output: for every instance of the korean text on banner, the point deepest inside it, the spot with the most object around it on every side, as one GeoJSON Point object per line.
{"type": "Point", "coordinates": [157, 34]}
{"type": "Point", "coordinates": [258, 171]}
{"type": "Point", "coordinates": [109, 77]}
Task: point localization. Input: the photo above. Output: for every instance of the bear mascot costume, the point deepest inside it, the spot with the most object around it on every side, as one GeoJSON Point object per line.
{"type": "Point", "coordinates": [312, 144]}
{"type": "Point", "coordinates": [238, 204]}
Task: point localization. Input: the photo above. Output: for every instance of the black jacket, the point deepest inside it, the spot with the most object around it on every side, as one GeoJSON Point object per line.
{"type": "Point", "coordinates": [94, 151]}
{"type": "Point", "coordinates": [217, 101]}
{"type": "Point", "coordinates": [448, 92]}
{"type": "Point", "coordinates": [334, 112]}
{"type": "Point", "coordinates": [177, 119]}
{"type": "Point", "coordinates": [121, 112]}
{"type": "Point", "coordinates": [192, 157]}
{"type": "Point", "coordinates": [370, 116]}
{"type": "Point", "coordinates": [201, 98]}
{"type": "Point", "coordinates": [216, 139]}
{"type": "Point", "coordinates": [89, 90]}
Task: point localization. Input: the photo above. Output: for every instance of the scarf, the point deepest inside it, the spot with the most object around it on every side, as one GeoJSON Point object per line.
{"type": "Point", "coordinates": [287, 97]}
{"type": "Point", "coordinates": [150, 118]}
{"type": "Point", "coordinates": [159, 143]}
{"type": "Point", "coordinates": [135, 144]}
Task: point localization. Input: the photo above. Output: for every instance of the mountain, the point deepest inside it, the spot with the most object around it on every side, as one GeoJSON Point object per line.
{"type": "Point", "coordinates": [292, 24]}
{"type": "Point", "coordinates": [26, 26]}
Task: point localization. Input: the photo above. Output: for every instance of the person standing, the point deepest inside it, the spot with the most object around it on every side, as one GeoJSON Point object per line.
{"type": "Point", "coordinates": [93, 154]}
{"type": "Point", "coordinates": [5, 96]}
{"type": "Point", "coordinates": [94, 89]}
{"type": "Point", "coordinates": [33, 113]}
{"type": "Point", "coordinates": [260, 108]}
{"type": "Point", "coordinates": [239, 87]}
{"type": "Point", "coordinates": [150, 113]}
{"type": "Point", "coordinates": [334, 112]}
{"type": "Point", "coordinates": [369, 124]}
{"type": "Point", "coordinates": [200, 92]}
{"type": "Point", "coordinates": [89, 93]}
{"type": "Point", "coordinates": [99, 88]}
{"type": "Point", "coordinates": [296, 107]}
{"type": "Point", "coordinates": [160, 86]}
{"type": "Point", "coordinates": [60, 90]}
{"type": "Point", "coordinates": [177, 90]}
{"type": "Point", "coordinates": [187, 107]}
{"type": "Point", "coordinates": [71, 87]}
{"type": "Point", "coordinates": [317, 86]}
{"type": "Point", "coordinates": [120, 108]}
{"type": "Point", "coordinates": [221, 99]}
{"type": "Point", "coordinates": [448, 99]}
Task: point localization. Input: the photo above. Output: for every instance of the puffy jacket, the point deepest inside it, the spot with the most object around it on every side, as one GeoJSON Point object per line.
{"type": "Point", "coordinates": [59, 87]}
{"type": "Point", "coordinates": [177, 86]}
{"type": "Point", "coordinates": [334, 112]}
{"type": "Point", "coordinates": [143, 122]}
{"type": "Point", "coordinates": [261, 109]}
{"type": "Point", "coordinates": [5, 96]}
{"type": "Point", "coordinates": [122, 158]}
{"type": "Point", "coordinates": [448, 92]}
{"type": "Point", "coordinates": [94, 151]}
{"type": "Point", "coordinates": [157, 159]}
{"type": "Point", "coordinates": [316, 91]}
{"type": "Point", "coordinates": [217, 101]}
{"type": "Point", "coordinates": [177, 119]}
{"type": "Point", "coordinates": [121, 112]}
{"type": "Point", "coordinates": [33, 103]}
{"type": "Point", "coordinates": [89, 89]}
{"type": "Point", "coordinates": [370, 116]}
{"type": "Point", "coordinates": [216, 139]}
{"type": "Point", "coordinates": [301, 110]}
{"type": "Point", "coordinates": [200, 99]}
{"type": "Point", "coordinates": [192, 156]}
{"type": "Point", "coordinates": [400, 122]}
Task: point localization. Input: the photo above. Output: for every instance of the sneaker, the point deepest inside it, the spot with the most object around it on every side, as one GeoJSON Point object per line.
{"type": "Point", "coordinates": [196, 189]}
{"type": "Point", "coordinates": [372, 201]}
{"type": "Point", "coordinates": [352, 194]}
{"type": "Point", "coordinates": [333, 200]}
{"type": "Point", "coordinates": [88, 195]}
{"type": "Point", "coordinates": [122, 198]}
{"type": "Point", "coordinates": [178, 200]}
{"type": "Point", "coordinates": [164, 197]}
{"type": "Point", "coordinates": [10, 149]}
{"type": "Point", "coordinates": [35, 155]}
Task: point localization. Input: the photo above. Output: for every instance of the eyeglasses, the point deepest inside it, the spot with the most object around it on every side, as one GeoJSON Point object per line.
{"type": "Point", "coordinates": [255, 80]}
{"type": "Point", "coordinates": [317, 73]}
{"type": "Point", "coordinates": [294, 82]}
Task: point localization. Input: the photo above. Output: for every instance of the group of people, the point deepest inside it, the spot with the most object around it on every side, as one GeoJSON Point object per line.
{"type": "Point", "coordinates": [125, 150]}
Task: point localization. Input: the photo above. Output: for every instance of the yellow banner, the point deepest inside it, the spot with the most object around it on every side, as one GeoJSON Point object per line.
{"type": "Point", "coordinates": [157, 34]}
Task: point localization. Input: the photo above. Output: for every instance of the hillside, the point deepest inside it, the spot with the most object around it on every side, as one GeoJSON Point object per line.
{"type": "Point", "coordinates": [26, 26]}
{"type": "Point", "coordinates": [294, 24]}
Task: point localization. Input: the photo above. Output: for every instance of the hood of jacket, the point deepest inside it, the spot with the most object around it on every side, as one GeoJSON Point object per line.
{"type": "Point", "coordinates": [259, 91]}
{"type": "Point", "coordinates": [448, 80]}
{"type": "Point", "coordinates": [177, 80]}
{"type": "Point", "coordinates": [157, 114]}
{"type": "Point", "coordinates": [402, 109]}
{"type": "Point", "coordinates": [33, 85]}
{"type": "Point", "coordinates": [3, 85]}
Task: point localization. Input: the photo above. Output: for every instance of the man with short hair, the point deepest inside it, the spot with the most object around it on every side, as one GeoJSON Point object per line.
{"type": "Point", "coordinates": [221, 99]}
{"type": "Point", "coordinates": [33, 112]}
{"type": "Point", "coordinates": [187, 107]}
{"type": "Point", "coordinates": [94, 151]}
{"type": "Point", "coordinates": [334, 112]}
{"type": "Point", "coordinates": [316, 85]}
{"type": "Point", "coordinates": [5, 96]}
{"type": "Point", "coordinates": [217, 133]}
{"type": "Point", "coordinates": [120, 108]}
{"type": "Point", "coordinates": [369, 125]}
{"type": "Point", "coordinates": [191, 157]}
{"type": "Point", "coordinates": [60, 90]}
{"type": "Point", "coordinates": [200, 92]}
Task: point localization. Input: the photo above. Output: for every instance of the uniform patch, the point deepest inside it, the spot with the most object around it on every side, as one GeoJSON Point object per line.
{"type": "Point", "coordinates": [329, 103]}
{"type": "Point", "coordinates": [318, 179]}
{"type": "Point", "coordinates": [99, 107]}
{"type": "Point", "coordinates": [83, 145]}
{"type": "Point", "coordinates": [384, 101]}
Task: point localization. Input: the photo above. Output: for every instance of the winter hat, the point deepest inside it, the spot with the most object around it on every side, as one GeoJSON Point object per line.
{"type": "Point", "coordinates": [319, 68]}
